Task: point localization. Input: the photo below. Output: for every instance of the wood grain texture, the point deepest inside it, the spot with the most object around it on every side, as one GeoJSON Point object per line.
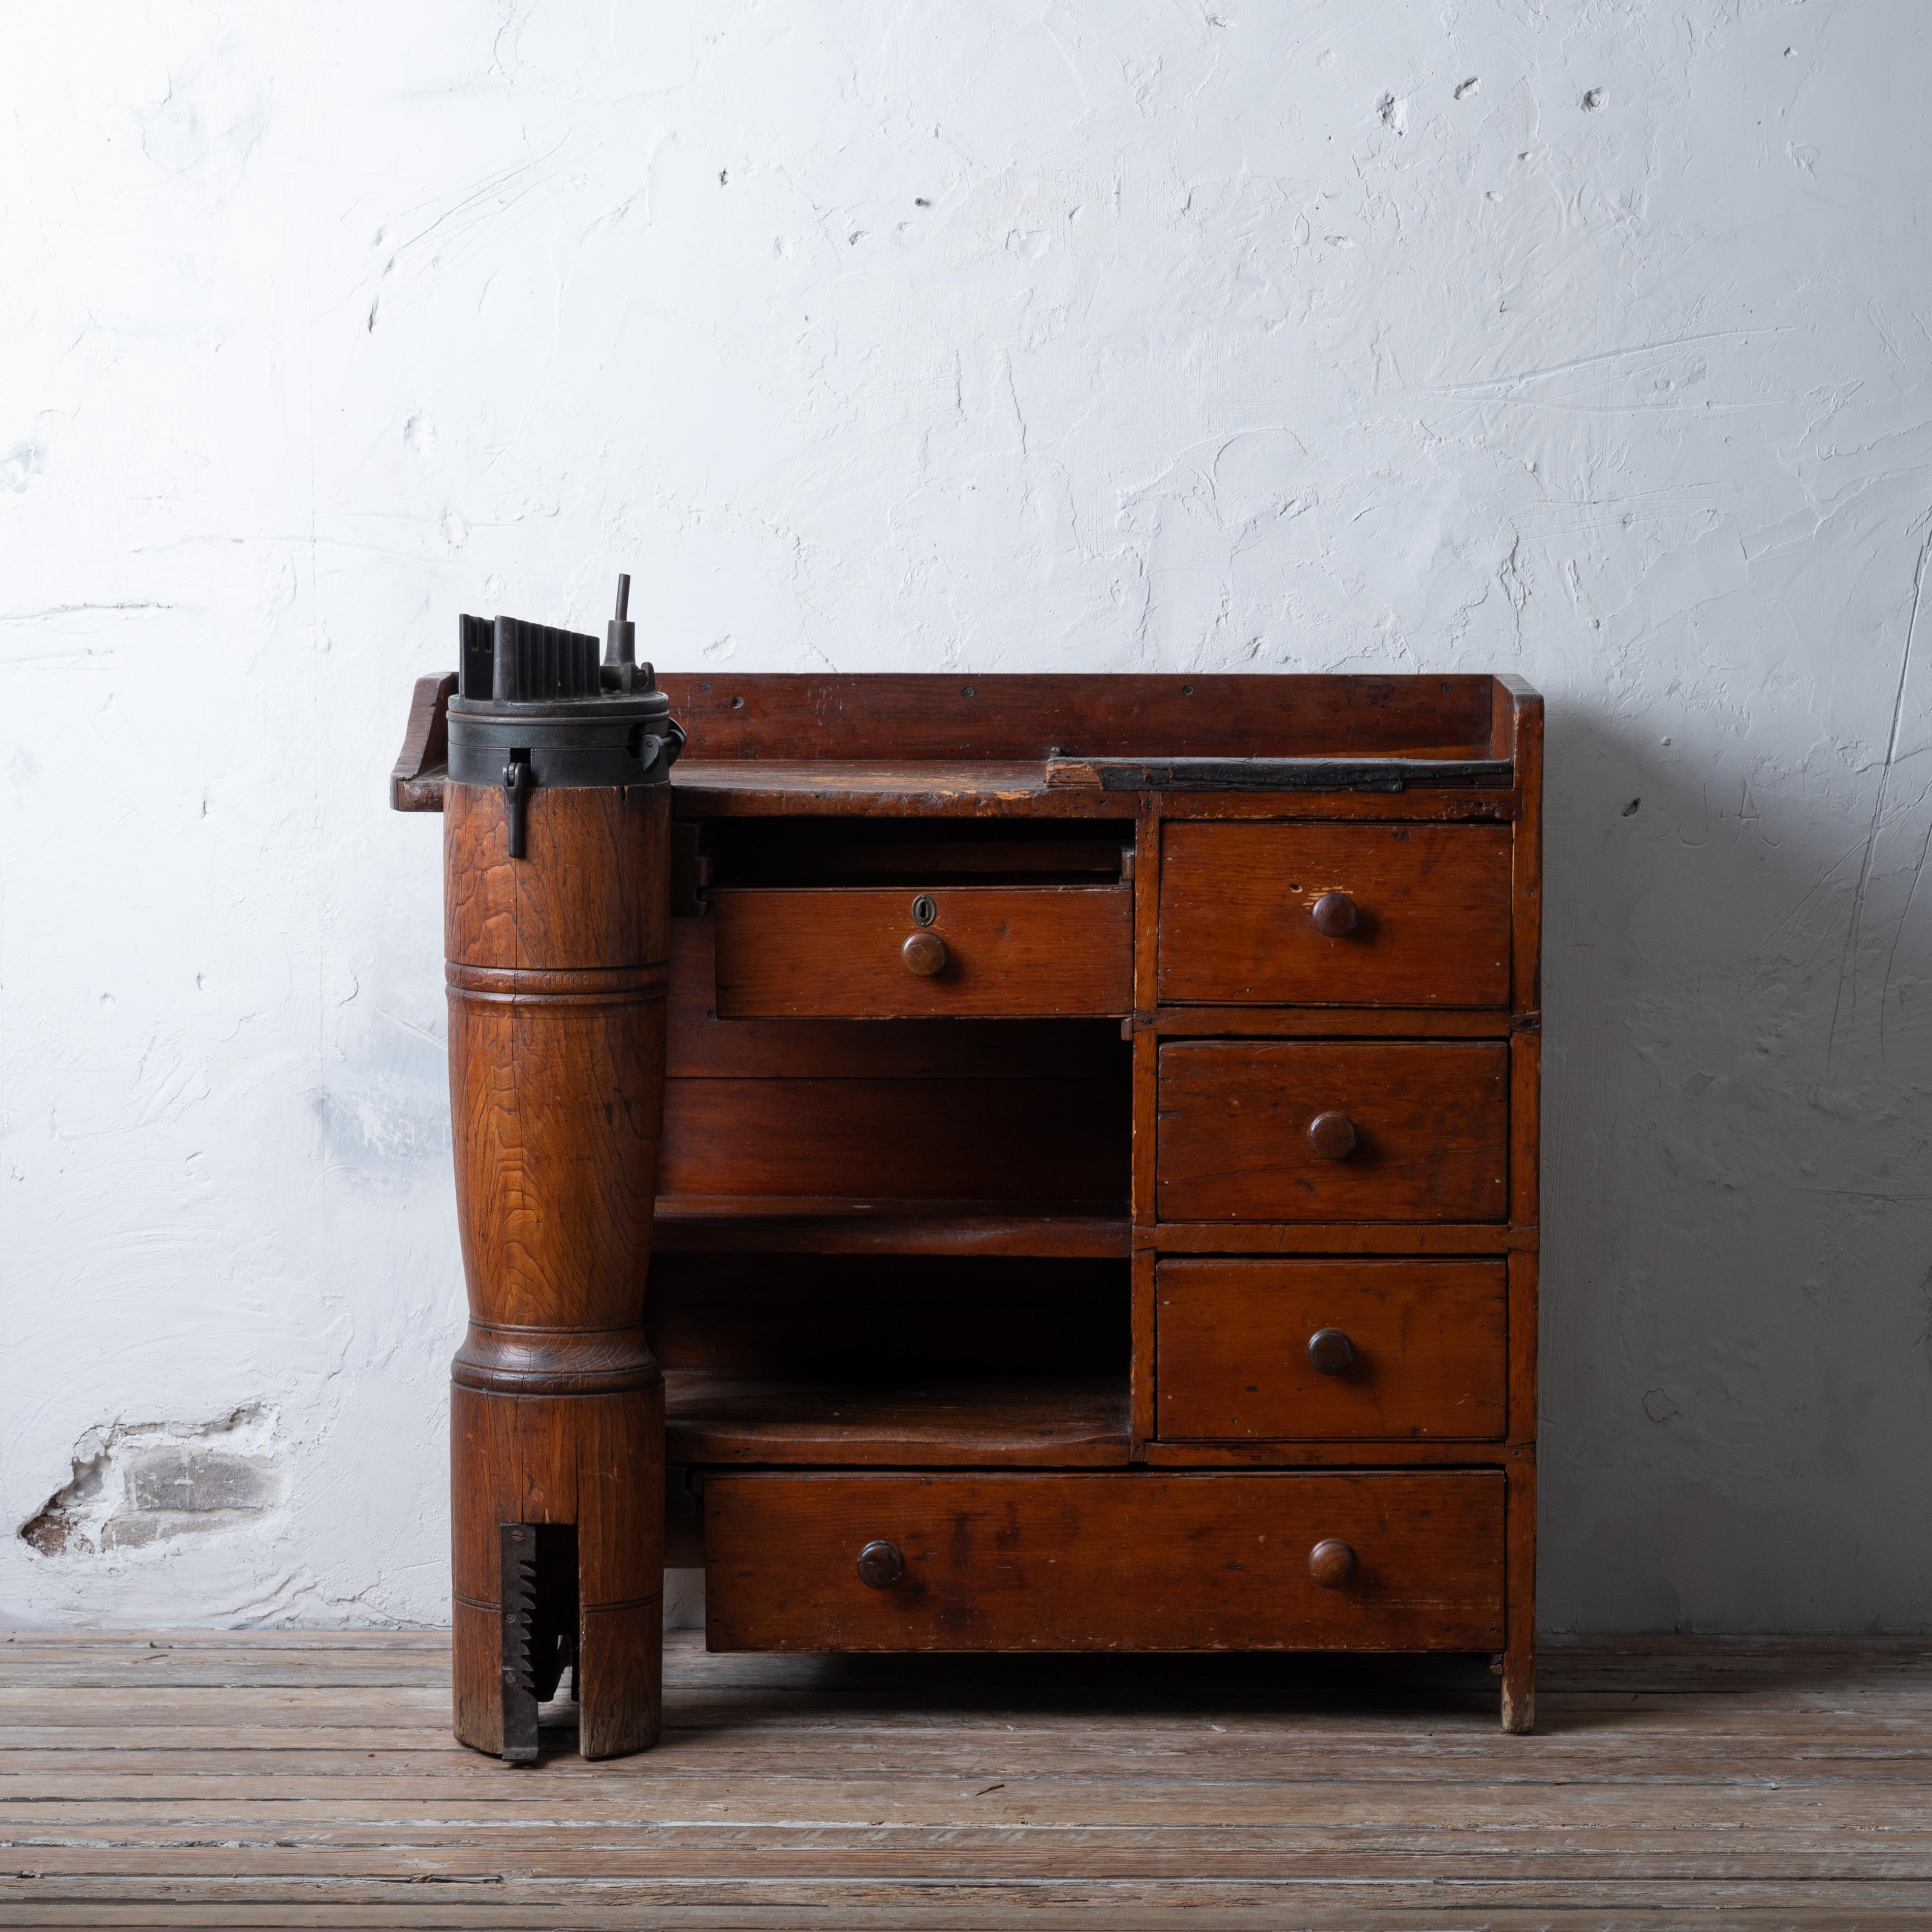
{"type": "Point", "coordinates": [1009, 1141]}
{"type": "Point", "coordinates": [1432, 906]}
{"type": "Point", "coordinates": [591, 892]}
{"type": "Point", "coordinates": [1330, 1023]}
{"type": "Point", "coordinates": [1041, 1423]}
{"type": "Point", "coordinates": [973, 717]}
{"type": "Point", "coordinates": [298, 1778]}
{"type": "Point", "coordinates": [1523, 1321]}
{"type": "Point", "coordinates": [1431, 1123]}
{"type": "Point", "coordinates": [557, 975]}
{"type": "Point", "coordinates": [1012, 951]}
{"type": "Point", "coordinates": [811, 1225]}
{"type": "Point", "coordinates": [1430, 1342]}
{"type": "Point", "coordinates": [594, 1462]}
{"type": "Point", "coordinates": [416, 780]}
{"type": "Point", "coordinates": [1524, 721]}
{"type": "Point", "coordinates": [726, 789]}
{"type": "Point", "coordinates": [1073, 1562]}
{"type": "Point", "coordinates": [1341, 1238]}
{"type": "Point", "coordinates": [556, 1106]}
{"type": "Point", "coordinates": [1519, 1670]}
{"type": "Point", "coordinates": [1142, 1383]}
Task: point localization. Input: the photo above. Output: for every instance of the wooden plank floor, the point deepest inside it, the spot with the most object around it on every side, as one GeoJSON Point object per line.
{"type": "Point", "coordinates": [299, 1779]}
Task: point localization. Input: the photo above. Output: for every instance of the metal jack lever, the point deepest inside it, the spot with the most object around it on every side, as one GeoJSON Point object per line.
{"type": "Point", "coordinates": [539, 1615]}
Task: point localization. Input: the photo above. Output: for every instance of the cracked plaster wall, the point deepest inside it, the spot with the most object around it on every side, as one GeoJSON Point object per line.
{"type": "Point", "coordinates": [1583, 338]}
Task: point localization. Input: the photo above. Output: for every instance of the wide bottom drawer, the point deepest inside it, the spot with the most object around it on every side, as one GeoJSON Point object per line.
{"type": "Point", "coordinates": [1129, 1562]}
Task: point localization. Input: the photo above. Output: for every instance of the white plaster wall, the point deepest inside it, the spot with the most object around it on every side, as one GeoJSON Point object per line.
{"type": "Point", "coordinates": [1587, 339]}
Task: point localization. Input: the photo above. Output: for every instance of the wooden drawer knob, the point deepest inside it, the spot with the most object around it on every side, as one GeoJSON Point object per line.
{"type": "Point", "coordinates": [1332, 1136]}
{"type": "Point", "coordinates": [1331, 1563]}
{"type": "Point", "coordinates": [1330, 1351]}
{"type": "Point", "coordinates": [880, 1565]}
{"type": "Point", "coordinates": [924, 953]}
{"type": "Point", "coordinates": [1334, 915]}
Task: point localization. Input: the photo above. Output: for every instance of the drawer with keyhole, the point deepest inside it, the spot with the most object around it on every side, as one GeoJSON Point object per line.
{"type": "Point", "coordinates": [882, 953]}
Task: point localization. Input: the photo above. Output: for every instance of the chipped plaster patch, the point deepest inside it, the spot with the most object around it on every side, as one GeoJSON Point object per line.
{"type": "Point", "coordinates": [137, 1484]}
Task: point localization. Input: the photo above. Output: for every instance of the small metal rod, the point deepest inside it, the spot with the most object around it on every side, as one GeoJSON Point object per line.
{"type": "Point", "coordinates": [517, 802]}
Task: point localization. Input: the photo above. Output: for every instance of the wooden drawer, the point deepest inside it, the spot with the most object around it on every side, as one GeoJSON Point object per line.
{"type": "Point", "coordinates": [840, 952]}
{"type": "Point", "coordinates": [1102, 1562]}
{"type": "Point", "coordinates": [1409, 1349]}
{"type": "Point", "coordinates": [1238, 1132]}
{"type": "Point", "coordinates": [1430, 904]}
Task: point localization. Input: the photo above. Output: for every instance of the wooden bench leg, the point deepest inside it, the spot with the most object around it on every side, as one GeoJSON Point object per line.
{"type": "Point", "coordinates": [1519, 1671]}
{"type": "Point", "coordinates": [558, 1512]}
{"type": "Point", "coordinates": [557, 974]}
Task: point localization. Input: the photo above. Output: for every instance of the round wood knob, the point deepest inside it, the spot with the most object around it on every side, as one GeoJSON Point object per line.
{"type": "Point", "coordinates": [1334, 914]}
{"type": "Point", "coordinates": [1331, 1563]}
{"type": "Point", "coordinates": [1332, 1136]}
{"type": "Point", "coordinates": [924, 953]}
{"type": "Point", "coordinates": [1330, 1351]}
{"type": "Point", "coordinates": [880, 1565]}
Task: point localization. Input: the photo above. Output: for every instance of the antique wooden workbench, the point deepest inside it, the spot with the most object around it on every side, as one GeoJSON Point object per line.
{"type": "Point", "coordinates": [1096, 1202]}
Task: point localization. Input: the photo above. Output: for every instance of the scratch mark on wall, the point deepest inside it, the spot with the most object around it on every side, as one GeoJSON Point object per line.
{"type": "Point", "coordinates": [1848, 964]}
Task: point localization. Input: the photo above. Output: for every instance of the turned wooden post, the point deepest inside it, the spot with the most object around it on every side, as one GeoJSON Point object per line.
{"type": "Point", "coordinates": [557, 925]}
{"type": "Point", "coordinates": [557, 968]}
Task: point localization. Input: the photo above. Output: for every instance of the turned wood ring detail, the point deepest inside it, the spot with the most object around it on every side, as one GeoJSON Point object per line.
{"type": "Point", "coordinates": [924, 953]}
{"type": "Point", "coordinates": [1331, 1563]}
{"type": "Point", "coordinates": [1332, 1136]}
{"type": "Point", "coordinates": [880, 1564]}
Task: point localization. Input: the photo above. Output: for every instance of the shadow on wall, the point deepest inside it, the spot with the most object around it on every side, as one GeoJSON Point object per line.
{"type": "Point", "coordinates": [1738, 1204]}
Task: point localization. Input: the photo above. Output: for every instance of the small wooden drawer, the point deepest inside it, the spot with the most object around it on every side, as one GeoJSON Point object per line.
{"type": "Point", "coordinates": [1333, 1350]}
{"type": "Point", "coordinates": [1411, 1561]}
{"type": "Point", "coordinates": [877, 952]}
{"type": "Point", "coordinates": [1335, 915]}
{"type": "Point", "coordinates": [1333, 1131]}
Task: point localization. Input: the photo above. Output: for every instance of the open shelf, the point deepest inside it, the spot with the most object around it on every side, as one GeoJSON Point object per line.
{"type": "Point", "coordinates": [1061, 1422]}
{"type": "Point", "coordinates": [822, 1225]}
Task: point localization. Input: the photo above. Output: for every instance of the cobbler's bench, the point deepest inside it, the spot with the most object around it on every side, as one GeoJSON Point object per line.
{"type": "Point", "coordinates": [1096, 1204]}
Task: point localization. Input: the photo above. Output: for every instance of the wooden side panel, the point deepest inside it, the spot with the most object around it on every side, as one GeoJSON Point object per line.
{"type": "Point", "coordinates": [416, 780]}
{"type": "Point", "coordinates": [1430, 1122]}
{"type": "Point", "coordinates": [939, 716]}
{"type": "Point", "coordinates": [1523, 1320]}
{"type": "Point", "coordinates": [1526, 1127]}
{"type": "Point", "coordinates": [1526, 873]}
{"type": "Point", "coordinates": [1010, 1141]}
{"type": "Point", "coordinates": [1429, 1343]}
{"type": "Point", "coordinates": [1101, 1562]}
{"type": "Point", "coordinates": [1431, 905]}
{"type": "Point", "coordinates": [832, 952]}
{"type": "Point", "coordinates": [1141, 1379]}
